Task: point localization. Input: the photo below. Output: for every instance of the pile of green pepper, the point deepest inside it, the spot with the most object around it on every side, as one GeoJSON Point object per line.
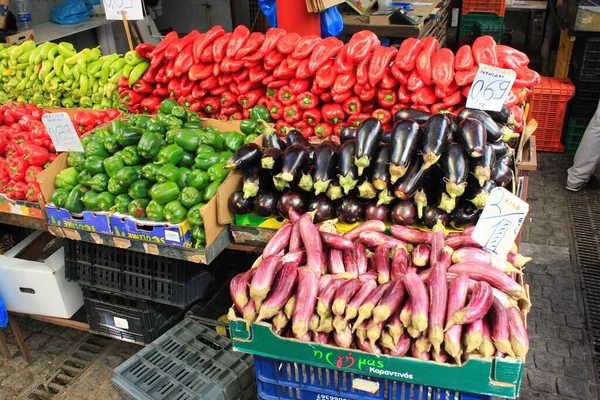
{"type": "Point", "coordinates": [163, 168]}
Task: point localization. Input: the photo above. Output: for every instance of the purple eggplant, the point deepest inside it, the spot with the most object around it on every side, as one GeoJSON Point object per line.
{"type": "Point", "coordinates": [291, 200]}
{"type": "Point", "coordinates": [432, 215]}
{"type": "Point", "coordinates": [334, 191]}
{"type": "Point", "coordinates": [325, 166]}
{"type": "Point", "coordinates": [380, 175]}
{"type": "Point", "coordinates": [500, 148]}
{"type": "Point", "coordinates": [414, 178]}
{"type": "Point", "coordinates": [513, 142]}
{"type": "Point", "coordinates": [306, 182]}
{"type": "Point", "coordinates": [472, 136]}
{"type": "Point", "coordinates": [508, 160]}
{"type": "Point", "coordinates": [481, 167]}
{"type": "Point", "coordinates": [493, 132]}
{"type": "Point", "coordinates": [295, 158]}
{"type": "Point", "coordinates": [367, 139]}
{"type": "Point", "coordinates": [348, 133]}
{"type": "Point", "coordinates": [435, 135]}
{"type": "Point", "coordinates": [238, 204]}
{"type": "Point", "coordinates": [272, 141]}
{"type": "Point", "coordinates": [256, 179]}
{"type": "Point", "coordinates": [408, 113]}
{"type": "Point", "coordinates": [366, 190]}
{"type": "Point", "coordinates": [454, 166]}
{"type": "Point", "coordinates": [375, 211]}
{"type": "Point", "coordinates": [466, 214]}
{"type": "Point", "coordinates": [245, 157]}
{"type": "Point", "coordinates": [350, 209]}
{"type": "Point", "coordinates": [504, 116]}
{"type": "Point", "coordinates": [407, 137]}
{"type": "Point", "coordinates": [265, 204]}
{"type": "Point", "coordinates": [404, 213]}
{"type": "Point", "coordinates": [502, 175]}
{"type": "Point", "coordinates": [348, 174]}
{"type": "Point", "coordinates": [387, 137]}
{"type": "Point", "coordinates": [479, 195]}
{"type": "Point", "coordinates": [271, 159]}
{"type": "Point", "coordinates": [295, 137]}
{"type": "Point", "coordinates": [324, 207]}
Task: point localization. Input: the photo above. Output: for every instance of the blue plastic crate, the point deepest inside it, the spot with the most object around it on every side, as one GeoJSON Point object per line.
{"type": "Point", "coordinates": [285, 380]}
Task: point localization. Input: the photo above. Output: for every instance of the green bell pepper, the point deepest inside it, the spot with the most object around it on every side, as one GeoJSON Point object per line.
{"type": "Point", "coordinates": [94, 165]}
{"type": "Point", "coordinates": [168, 173]}
{"type": "Point", "coordinates": [85, 140]}
{"type": "Point", "coordinates": [204, 161]}
{"type": "Point", "coordinates": [115, 187]}
{"type": "Point", "coordinates": [204, 148]}
{"type": "Point", "coordinates": [248, 126]}
{"type": "Point", "coordinates": [165, 192]}
{"type": "Point", "coordinates": [199, 236]}
{"type": "Point", "coordinates": [111, 144]}
{"type": "Point", "coordinates": [96, 148]}
{"type": "Point", "coordinates": [154, 125]}
{"type": "Point", "coordinates": [179, 112]}
{"type": "Point", "coordinates": [218, 172]}
{"type": "Point", "coordinates": [167, 106]}
{"type": "Point", "coordinates": [131, 156]}
{"type": "Point", "coordinates": [105, 201]}
{"type": "Point", "coordinates": [224, 156]}
{"type": "Point", "coordinates": [187, 160]}
{"type": "Point", "coordinates": [133, 119]}
{"type": "Point", "coordinates": [149, 145]}
{"type": "Point", "coordinates": [101, 133]}
{"type": "Point", "coordinates": [172, 122]}
{"type": "Point", "coordinates": [90, 200]}
{"type": "Point", "coordinates": [183, 177]}
{"type": "Point", "coordinates": [76, 160]}
{"type": "Point", "coordinates": [142, 121]}
{"type": "Point", "coordinates": [99, 183]}
{"type": "Point", "coordinates": [162, 117]}
{"type": "Point", "coordinates": [212, 139]}
{"type": "Point", "coordinates": [175, 212]}
{"type": "Point", "coordinates": [113, 164]}
{"type": "Point", "coordinates": [59, 197]}
{"type": "Point", "coordinates": [122, 203]}
{"type": "Point", "coordinates": [155, 211]}
{"type": "Point", "coordinates": [194, 215]}
{"type": "Point", "coordinates": [193, 116]}
{"type": "Point", "coordinates": [187, 140]}
{"type": "Point", "coordinates": [149, 171]}
{"type": "Point", "coordinates": [233, 140]}
{"type": "Point", "coordinates": [197, 179]}
{"type": "Point", "coordinates": [259, 112]}
{"type": "Point", "coordinates": [126, 176]}
{"type": "Point", "coordinates": [73, 203]}
{"type": "Point", "coordinates": [129, 136]}
{"type": "Point", "coordinates": [115, 126]}
{"type": "Point", "coordinates": [139, 189]}
{"type": "Point", "coordinates": [137, 208]}
{"type": "Point", "coordinates": [211, 190]}
{"type": "Point", "coordinates": [190, 196]}
{"type": "Point", "coordinates": [192, 124]}
{"type": "Point", "coordinates": [84, 178]}
{"type": "Point", "coordinates": [171, 154]}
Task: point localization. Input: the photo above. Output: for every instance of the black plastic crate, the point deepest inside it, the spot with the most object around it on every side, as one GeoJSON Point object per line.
{"type": "Point", "coordinates": [164, 280]}
{"type": "Point", "coordinates": [585, 101]}
{"type": "Point", "coordinates": [130, 320]}
{"type": "Point", "coordinates": [493, 29]}
{"type": "Point", "coordinates": [585, 59]}
{"type": "Point", "coordinates": [190, 361]}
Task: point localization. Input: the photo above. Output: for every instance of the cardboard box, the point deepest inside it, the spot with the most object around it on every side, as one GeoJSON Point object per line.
{"type": "Point", "coordinates": [20, 207]}
{"type": "Point", "coordinates": [143, 229]}
{"type": "Point", "coordinates": [361, 6]}
{"type": "Point", "coordinates": [37, 286]}
{"type": "Point", "coordinates": [20, 37]}
{"type": "Point", "coordinates": [380, 17]}
{"type": "Point", "coordinates": [86, 221]}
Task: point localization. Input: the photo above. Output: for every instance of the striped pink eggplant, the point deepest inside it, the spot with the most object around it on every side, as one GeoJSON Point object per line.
{"type": "Point", "coordinates": [374, 331]}
{"type": "Point", "coordinates": [406, 314]}
{"type": "Point", "coordinates": [368, 276]}
{"type": "Point", "coordinates": [464, 240]}
{"type": "Point", "coordinates": [320, 338]}
{"type": "Point", "coordinates": [360, 255]}
{"type": "Point", "coordinates": [313, 325]}
{"type": "Point", "coordinates": [370, 225]}
{"type": "Point", "coordinates": [263, 279]}
{"type": "Point", "coordinates": [359, 298]}
{"type": "Point", "coordinates": [492, 276]}
{"type": "Point", "coordinates": [518, 333]}
{"type": "Point", "coordinates": [306, 299]}
{"type": "Point", "coordinates": [473, 254]}
{"type": "Point", "coordinates": [296, 256]}
{"type": "Point", "coordinates": [288, 309]}
{"type": "Point", "coordinates": [410, 235]}
{"type": "Point", "coordinates": [438, 297]}
{"type": "Point", "coordinates": [419, 299]}
{"type": "Point", "coordinates": [420, 255]}
{"type": "Point", "coordinates": [423, 344]}
{"type": "Point", "coordinates": [238, 289]}
{"type": "Point", "coordinates": [399, 263]}
{"type": "Point", "coordinates": [500, 330]}
{"type": "Point", "coordinates": [395, 327]}
{"type": "Point", "coordinates": [478, 306]}
{"type": "Point", "coordinates": [425, 275]}
{"type": "Point", "coordinates": [325, 297]}
{"type": "Point", "coordinates": [441, 357]}
{"type": "Point", "coordinates": [414, 351]}
{"type": "Point", "coordinates": [336, 262]}
{"type": "Point", "coordinates": [295, 239]}
{"type": "Point", "coordinates": [381, 259]}
{"type": "Point", "coordinates": [312, 243]}
{"type": "Point", "coordinates": [474, 336]}
{"type": "Point", "coordinates": [249, 313]}
{"type": "Point", "coordinates": [324, 281]}
{"type": "Point", "coordinates": [279, 241]}
{"type": "Point", "coordinates": [326, 325]}
{"type": "Point", "coordinates": [350, 263]}
{"type": "Point", "coordinates": [343, 295]}
{"type": "Point", "coordinates": [336, 241]}
{"type": "Point", "coordinates": [365, 311]}
{"type": "Point", "coordinates": [390, 302]}
{"type": "Point", "coordinates": [438, 242]}
{"type": "Point", "coordinates": [457, 296]}
{"type": "Point", "coordinates": [284, 285]}
{"type": "Point", "coordinates": [487, 348]}
{"type": "Point", "coordinates": [402, 347]}
{"type": "Point", "coordinates": [344, 337]}
{"type": "Point", "coordinates": [517, 260]}
{"type": "Point", "coordinates": [374, 239]}
{"type": "Point", "coordinates": [294, 216]}
{"type": "Point", "coordinates": [279, 322]}
{"type": "Point", "coordinates": [386, 341]}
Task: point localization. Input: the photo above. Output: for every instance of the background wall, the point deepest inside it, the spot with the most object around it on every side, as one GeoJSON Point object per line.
{"type": "Point", "coordinates": [184, 16]}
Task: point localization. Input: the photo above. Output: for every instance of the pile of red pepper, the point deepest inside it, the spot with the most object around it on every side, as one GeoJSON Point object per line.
{"type": "Point", "coordinates": [316, 85]}
{"type": "Point", "coordinates": [26, 148]}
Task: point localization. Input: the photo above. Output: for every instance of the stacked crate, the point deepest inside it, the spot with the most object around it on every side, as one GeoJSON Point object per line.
{"type": "Point", "coordinates": [444, 15]}
{"type": "Point", "coordinates": [480, 17]}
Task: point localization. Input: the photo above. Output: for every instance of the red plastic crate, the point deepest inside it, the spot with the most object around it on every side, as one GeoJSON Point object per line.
{"type": "Point", "coordinates": [482, 6]}
{"type": "Point", "coordinates": [548, 108]}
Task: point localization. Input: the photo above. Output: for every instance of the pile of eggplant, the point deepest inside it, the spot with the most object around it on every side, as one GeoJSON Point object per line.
{"type": "Point", "coordinates": [426, 168]}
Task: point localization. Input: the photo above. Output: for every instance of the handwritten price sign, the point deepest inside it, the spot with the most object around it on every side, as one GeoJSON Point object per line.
{"type": "Point", "coordinates": [62, 132]}
{"type": "Point", "coordinates": [133, 9]}
{"type": "Point", "coordinates": [490, 88]}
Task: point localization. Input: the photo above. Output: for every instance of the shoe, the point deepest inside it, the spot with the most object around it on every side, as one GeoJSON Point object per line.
{"type": "Point", "coordinates": [575, 189]}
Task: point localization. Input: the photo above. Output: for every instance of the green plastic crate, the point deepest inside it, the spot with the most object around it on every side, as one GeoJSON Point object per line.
{"type": "Point", "coordinates": [572, 137]}
{"type": "Point", "coordinates": [494, 29]}
{"type": "Point", "coordinates": [466, 24]}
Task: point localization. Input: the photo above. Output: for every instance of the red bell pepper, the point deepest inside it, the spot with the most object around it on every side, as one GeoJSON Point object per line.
{"type": "Point", "coordinates": [184, 61]}
{"type": "Point", "coordinates": [282, 128]}
{"type": "Point", "coordinates": [292, 113]}
{"type": "Point", "coordinates": [298, 86]}
{"type": "Point", "coordinates": [263, 101]}
{"type": "Point", "coordinates": [144, 49]}
{"type": "Point", "coordinates": [307, 100]}
{"type": "Point", "coordinates": [285, 96]}
{"type": "Point", "coordinates": [241, 75]}
{"type": "Point", "coordinates": [518, 113]}
{"type": "Point", "coordinates": [231, 109]}
{"type": "Point", "coordinates": [407, 54]}
{"type": "Point", "coordinates": [33, 191]}
{"type": "Point", "coordinates": [361, 44]}
{"type": "Point", "coordinates": [436, 108]}
{"type": "Point", "coordinates": [463, 78]}
{"type": "Point", "coordinates": [342, 65]}
{"type": "Point", "coordinates": [246, 86]}
{"type": "Point", "coordinates": [16, 190]}
{"type": "Point", "coordinates": [34, 154]}
{"type": "Point", "coordinates": [151, 104]}
{"type": "Point", "coordinates": [414, 82]}
{"type": "Point", "coordinates": [441, 92]}
{"type": "Point", "coordinates": [228, 99]}
{"type": "Point", "coordinates": [333, 113]}
{"type": "Point", "coordinates": [275, 109]}
{"type": "Point", "coordinates": [341, 97]}
{"type": "Point", "coordinates": [324, 51]}
{"type": "Point", "coordinates": [302, 72]}
{"type": "Point", "coordinates": [209, 83]}
{"type": "Point", "coordinates": [380, 62]}
{"type": "Point", "coordinates": [220, 45]}
{"type": "Point", "coordinates": [365, 92]}
{"type": "Point", "coordinates": [31, 173]}
{"type": "Point", "coordinates": [484, 51]}
{"type": "Point", "coordinates": [442, 67]}
{"type": "Point", "coordinates": [272, 60]}
{"type": "Point", "coordinates": [229, 65]}
{"type": "Point", "coordinates": [344, 82]}
{"type": "Point", "coordinates": [362, 70]}
{"type": "Point", "coordinates": [312, 117]}
{"type": "Point", "coordinates": [249, 99]}
{"type": "Point", "coordinates": [257, 74]}
{"type": "Point", "coordinates": [254, 41]}
{"type": "Point", "coordinates": [424, 96]}
{"type": "Point", "coordinates": [423, 63]}
{"type": "Point", "coordinates": [305, 129]}
{"type": "Point", "coordinates": [225, 79]}
{"type": "Point", "coordinates": [13, 149]}
{"type": "Point", "coordinates": [287, 44]}
{"type": "Point", "coordinates": [239, 37]}
{"type": "Point", "coordinates": [205, 41]}
{"type": "Point", "coordinates": [464, 59]}
{"type": "Point", "coordinates": [396, 108]}
{"type": "Point", "coordinates": [236, 116]}
{"type": "Point", "coordinates": [352, 105]}
{"type": "Point", "coordinates": [465, 90]}
{"type": "Point", "coordinates": [338, 128]}
{"type": "Point", "coordinates": [326, 97]}
{"type": "Point", "coordinates": [276, 83]}
{"type": "Point", "coordinates": [174, 87]}
{"type": "Point", "coordinates": [182, 101]}
{"type": "Point", "coordinates": [163, 44]}
{"type": "Point", "coordinates": [198, 93]}
{"type": "Point", "coordinates": [17, 166]}
{"type": "Point", "coordinates": [211, 105]}
{"type": "Point", "coordinates": [271, 93]}
{"type": "Point", "coordinates": [292, 62]}
{"type": "Point", "coordinates": [386, 98]}
{"type": "Point", "coordinates": [401, 76]}
{"type": "Point", "coordinates": [526, 78]}
{"type": "Point", "coordinates": [383, 115]}
{"type": "Point", "coordinates": [388, 81]}
{"type": "Point", "coordinates": [187, 86]}
{"type": "Point", "coordinates": [305, 46]}
{"type": "Point", "coordinates": [323, 130]}
{"type": "Point", "coordinates": [421, 108]}
{"type": "Point", "coordinates": [186, 41]}
{"type": "Point", "coordinates": [143, 87]}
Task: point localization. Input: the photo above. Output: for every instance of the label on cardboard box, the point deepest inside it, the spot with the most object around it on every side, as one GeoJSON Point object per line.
{"type": "Point", "coordinates": [149, 231]}
{"type": "Point", "coordinates": [86, 221]}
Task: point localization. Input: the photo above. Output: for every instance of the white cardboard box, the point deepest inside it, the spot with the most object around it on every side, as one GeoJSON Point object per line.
{"type": "Point", "coordinates": [34, 287]}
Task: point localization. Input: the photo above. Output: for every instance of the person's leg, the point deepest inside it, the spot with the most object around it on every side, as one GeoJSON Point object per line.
{"type": "Point", "coordinates": [587, 155]}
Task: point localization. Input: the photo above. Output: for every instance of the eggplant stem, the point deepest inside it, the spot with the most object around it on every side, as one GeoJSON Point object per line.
{"type": "Point", "coordinates": [455, 189]}
{"type": "Point", "coordinates": [397, 171]}
{"type": "Point", "coordinates": [347, 183]}
{"type": "Point", "coordinates": [361, 164]}
{"type": "Point", "coordinates": [286, 176]}
{"type": "Point", "coordinates": [321, 186]}
{"type": "Point", "coordinates": [250, 190]}
{"type": "Point", "coordinates": [267, 163]}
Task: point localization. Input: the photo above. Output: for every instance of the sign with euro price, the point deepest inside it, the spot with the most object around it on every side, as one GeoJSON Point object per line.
{"type": "Point", "coordinates": [490, 88]}
{"type": "Point", "coordinates": [133, 9]}
{"type": "Point", "coordinates": [62, 132]}
{"type": "Point", "coordinates": [500, 222]}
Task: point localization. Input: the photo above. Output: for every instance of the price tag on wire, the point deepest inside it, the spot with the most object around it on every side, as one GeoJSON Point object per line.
{"type": "Point", "coordinates": [62, 132]}
{"type": "Point", "coordinates": [490, 88]}
{"type": "Point", "coordinates": [133, 9]}
{"type": "Point", "coordinates": [500, 222]}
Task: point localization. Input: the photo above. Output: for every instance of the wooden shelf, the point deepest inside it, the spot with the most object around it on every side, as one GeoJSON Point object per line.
{"type": "Point", "coordinates": [23, 221]}
{"type": "Point", "coordinates": [49, 31]}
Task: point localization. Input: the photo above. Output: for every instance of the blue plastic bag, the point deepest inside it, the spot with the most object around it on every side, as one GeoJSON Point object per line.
{"type": "Point", "coordinates": [269, 8]}
{"type": "Point", "coordinates": [3, 314]}
{"type": "Point", "coordinates": [331, 22]}
{"type": "Point", "coordinates": [71, 12]}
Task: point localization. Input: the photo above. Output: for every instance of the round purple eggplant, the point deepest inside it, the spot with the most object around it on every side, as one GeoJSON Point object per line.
{"type": "Point", "coordinates": [421, 200]}
{"type": "Point", "coordinates": [245, 157]}
{"type": "Point", "coordinates": [265, 204]}
{"type": "Point", "coordinates": [404, 213]}
{"type": "Point", "coordinates": [385, 197]}
{"type": "Point", "coordinates": [465, 215]}
{"type": "Point", "coordinates": [325, 166]}
{"type": "Point", "coordinates": [432, 215]}
{"type": "Point", "coordinates": [454, 166]}
{"type": "Point", "coordinates": [482, 167]}
{"type": "Point", "coordinates": [374, 211]}
{"type": "Point", "coordinates": [472, 136]}
{"type": "Point", "coordinates": [350, 209]}
{"type": "Point", "coordinates": [435, 135]}
{"type": "Point", "coordinates": [238, 204]}
{"type": "Point", "coordinates": [367, 139]}
{"type": "Point", "coordinates": [407, 138]}
{"type": "Point", "coordinates": [324, 207]}
{"type": "Point", "coordinates": [291, 200]}
{"type": "Point", "coordinates": [409, 113]}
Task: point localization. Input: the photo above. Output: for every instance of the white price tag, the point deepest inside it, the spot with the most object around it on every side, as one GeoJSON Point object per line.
{"type": "Point", "coordinates": [133, 9]}
{"type": "Point", "coordinates": [490, 88]}
{"type": "Point", "coordinates": [500, 222]}
{"type": "Point", "coordinates": [62, 132]}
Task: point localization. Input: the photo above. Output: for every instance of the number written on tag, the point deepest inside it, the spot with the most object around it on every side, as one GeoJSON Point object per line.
{"type": "Point", "coordinates": [133, 9]}
{"type": "Point", "coordinates": [62, 132]}
{"type": "Point", "coordinates": [490, 88]}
